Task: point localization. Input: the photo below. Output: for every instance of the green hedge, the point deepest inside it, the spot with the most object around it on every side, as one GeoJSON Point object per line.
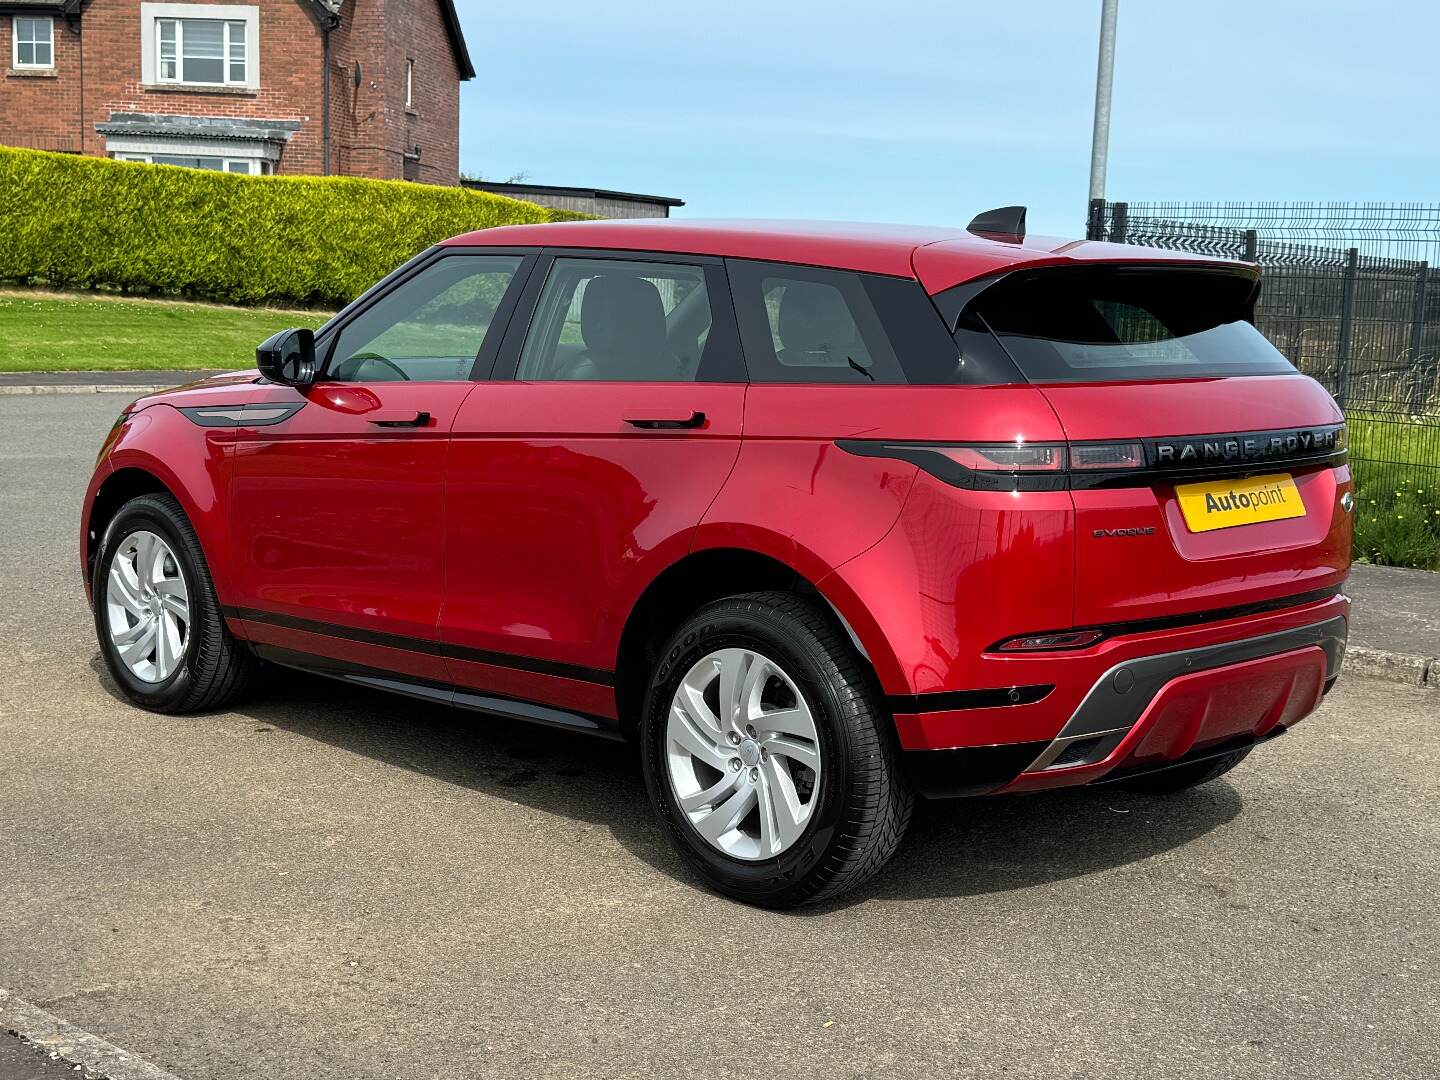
{"type": "Point", "coordinates": [78, 222]}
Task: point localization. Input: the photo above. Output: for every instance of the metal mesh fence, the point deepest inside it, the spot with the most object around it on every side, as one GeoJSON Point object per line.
{"type": "Point", "coordinates": [1348, 294]}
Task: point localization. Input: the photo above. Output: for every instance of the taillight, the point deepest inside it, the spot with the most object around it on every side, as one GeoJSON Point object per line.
{"type": "Point", "coordinates": [1015, 457]}
{"type": "Point", "coordinates": [1108, 456]}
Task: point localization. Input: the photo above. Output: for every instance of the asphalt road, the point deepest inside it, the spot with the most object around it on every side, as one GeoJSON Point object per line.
{"type": "Point", "coordinates": [331, 883]}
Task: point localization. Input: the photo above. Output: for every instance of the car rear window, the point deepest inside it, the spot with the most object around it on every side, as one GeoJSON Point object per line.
{"type": "Point", "coordinates": [1101, 324]}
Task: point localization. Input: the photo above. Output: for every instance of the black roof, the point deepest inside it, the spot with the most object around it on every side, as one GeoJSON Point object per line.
{"type": "Point", "coordinates": [520, 190]}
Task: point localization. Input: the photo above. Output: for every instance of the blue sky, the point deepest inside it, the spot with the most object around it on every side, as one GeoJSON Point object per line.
{"type": "Point", "coordinates": [912, 112]}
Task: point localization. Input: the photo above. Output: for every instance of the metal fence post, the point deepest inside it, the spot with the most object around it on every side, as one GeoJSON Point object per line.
{"type": "Point", "coordinates": [1252, 246]}
{"type": "Point", "coordinates": [1419, 364]}
{"type": "Point", "coordinates": [1119, 218]}
{"type": "Point", "coordinates": [1095, 225]}
{"type": "Point", "coordinates": [1347, 326]}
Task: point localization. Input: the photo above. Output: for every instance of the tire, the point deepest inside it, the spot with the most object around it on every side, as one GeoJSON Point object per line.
{"type": "Point", "coordinates": [212, 668]}
{"type": "Point", "coordinates": [859, 801]}
{"type": "Point", "coordinates": [1169, 781]}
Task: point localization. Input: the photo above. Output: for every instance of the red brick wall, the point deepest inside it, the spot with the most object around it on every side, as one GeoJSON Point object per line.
{"type": "Point", "coordinates": [370, 127]}
{"type": "Point", "coordinates": [42, 111]}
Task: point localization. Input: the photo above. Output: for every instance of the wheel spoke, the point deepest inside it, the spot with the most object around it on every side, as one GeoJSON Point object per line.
{"type": "Point", "coordinates": [805, 753]}
{"type": "Point", "coordinates": [167, 645]}
{"type": "Point", "coordinates": [685, 731]}
{"type": "Point", "coordinates": [733, 666]}
{"type": "Point", "coordinates": [176, 605]}
{"type": "Point", "coordinates": [121, 591]}
{"type": "Point", "coordinates": [727, 815]}
{"type": "Point", "coordinates": [171, 586]}
{"type": "Point", "coordinates": [782, 817]}
{"type": "Point", "coordinates": [711, 795]}
{"type": "Point", "coordinates": [691, 699]}
{"type": "Point", "coordinates": [138, 644]}
{"type": "Point", "coordinates": [144, 556]}
{"type": "Point", "coordinates": [793, 721]}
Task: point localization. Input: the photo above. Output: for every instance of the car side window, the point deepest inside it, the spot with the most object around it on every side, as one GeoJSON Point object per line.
{"type": "Point", "coordinates": [618, 320]}
{"type": "Point", "coordinates": [808, 325]}
{"type": "Point", "coordinates": [429, 329]}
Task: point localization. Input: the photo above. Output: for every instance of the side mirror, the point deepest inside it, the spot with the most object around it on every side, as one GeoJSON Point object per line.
{"type": "Point", "coordinates": [288, 357]}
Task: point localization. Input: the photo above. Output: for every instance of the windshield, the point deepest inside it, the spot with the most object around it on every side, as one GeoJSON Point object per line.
{"type": "Point", "coordinates": [1097, 324]}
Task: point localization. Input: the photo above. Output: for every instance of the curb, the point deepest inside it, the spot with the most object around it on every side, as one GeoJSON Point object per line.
{"type": "Point", "coordinates": [83, 388]}
{"type": "Point", "coordinates": [1422, 671]}
{"type": "Point", "coordinates": [34, 1025]}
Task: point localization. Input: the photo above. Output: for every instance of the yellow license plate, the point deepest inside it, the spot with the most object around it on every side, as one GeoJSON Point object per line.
{"type": "Point", "coordinates": [1223, 504]}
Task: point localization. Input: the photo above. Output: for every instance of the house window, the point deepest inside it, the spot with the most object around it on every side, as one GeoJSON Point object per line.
{"type": "Point", "coordinates": [201, 51]}
{"type": "Point", "coordinates": [201, 45]}
{"type": "Point", "coordinates": [409, 84]}
{"type": "Point", "coordinates": [247, 166]}
{"type": "Point", "coordinates": [34, 42]}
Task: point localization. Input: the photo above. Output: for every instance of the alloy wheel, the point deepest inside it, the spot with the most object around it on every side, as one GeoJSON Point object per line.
{"type": "Point", "coordinates": [743, 754]}
{"type": "Point", "coordinates": [147, 607]}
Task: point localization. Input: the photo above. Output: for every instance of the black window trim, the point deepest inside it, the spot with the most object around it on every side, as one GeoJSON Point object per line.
{"type": "Point", "coordinates": [329, 333]}
{"type": "Point", "coordinates": [717, 286]}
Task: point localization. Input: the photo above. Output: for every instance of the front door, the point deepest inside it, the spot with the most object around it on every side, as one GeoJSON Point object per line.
{"type": "Point", "coordinates": [336, 505]}
{"type": "Point", "coordinates": [583, 468]}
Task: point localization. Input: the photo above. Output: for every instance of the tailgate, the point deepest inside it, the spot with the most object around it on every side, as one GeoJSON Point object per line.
{"type": "Point", "coordinates": [1258, 457]}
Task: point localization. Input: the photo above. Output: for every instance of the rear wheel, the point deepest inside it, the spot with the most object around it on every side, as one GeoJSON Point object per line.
{"type": "Point", "coordinates": [156, 615]}
{"type": "Point", "coordinates": [1169, 781]}
{"type": "Point", "coordinates": [768, 755]}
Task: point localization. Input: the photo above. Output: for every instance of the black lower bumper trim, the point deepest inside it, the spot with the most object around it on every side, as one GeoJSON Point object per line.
{"type": "Point", "coordinates": [968, 770]}
{"type": "Point", "coordinates": [1206, 754]}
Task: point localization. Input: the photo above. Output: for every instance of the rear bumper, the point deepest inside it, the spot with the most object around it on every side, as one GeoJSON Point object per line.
{"type": "Point", "coordinates": [1146, 705]}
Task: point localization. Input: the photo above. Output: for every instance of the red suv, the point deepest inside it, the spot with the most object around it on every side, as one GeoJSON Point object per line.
{"type": "Point", "coordinates": [820, 516]}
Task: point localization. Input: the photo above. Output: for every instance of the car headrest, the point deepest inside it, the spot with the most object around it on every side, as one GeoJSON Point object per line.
{"type": "Point", "coordinates": [623, 317]}
{"type": "Point", "coordinates": [814, 315]}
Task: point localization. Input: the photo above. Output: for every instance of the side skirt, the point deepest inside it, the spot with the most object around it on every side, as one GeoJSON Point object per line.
{"type": "Point", "coordinates": [439, 693]}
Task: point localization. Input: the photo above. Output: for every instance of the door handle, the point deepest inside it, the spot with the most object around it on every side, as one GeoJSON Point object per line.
{"type": "Point", "coordinates": [407, 418]}
{"type": "Point", "coordinates": [694, 420]}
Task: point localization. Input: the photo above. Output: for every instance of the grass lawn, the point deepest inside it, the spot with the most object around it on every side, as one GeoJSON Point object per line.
{"type": "Point", "coordinates": [48, 331]}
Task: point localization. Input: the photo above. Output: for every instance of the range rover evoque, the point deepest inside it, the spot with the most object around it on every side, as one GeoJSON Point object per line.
{"type": "Point", "coordinates": [822, 517]}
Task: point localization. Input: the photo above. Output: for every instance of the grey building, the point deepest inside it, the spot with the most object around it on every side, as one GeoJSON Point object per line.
{"type": "Point", "coordinates": [594, 201]}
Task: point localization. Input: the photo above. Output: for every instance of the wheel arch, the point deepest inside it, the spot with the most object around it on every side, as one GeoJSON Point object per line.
{"type": "Point", "coordinates": [141, 464]}
{"type": "Point", "coordinates": [696, 579]}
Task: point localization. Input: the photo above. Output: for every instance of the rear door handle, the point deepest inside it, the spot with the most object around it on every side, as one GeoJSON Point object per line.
{"type": "Point", "coordinates": [407, 418]}
{"type": "Point", "coordinates": [694, 420]}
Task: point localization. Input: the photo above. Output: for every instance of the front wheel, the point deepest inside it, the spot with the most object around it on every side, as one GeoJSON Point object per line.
{"type": "Point", "coordinates": [156, 614]}
{"type": "Point", "coordinates": [768, 755]}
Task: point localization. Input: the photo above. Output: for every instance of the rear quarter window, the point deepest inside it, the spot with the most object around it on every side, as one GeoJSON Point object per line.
{"type": "Point", "coordinates": [810, 325]}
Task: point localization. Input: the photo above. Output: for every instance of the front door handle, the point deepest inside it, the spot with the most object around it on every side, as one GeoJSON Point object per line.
{"type": "Point", "coordinates": [694, 420]}
{"type": "Point", "coordinates": [406, 418]}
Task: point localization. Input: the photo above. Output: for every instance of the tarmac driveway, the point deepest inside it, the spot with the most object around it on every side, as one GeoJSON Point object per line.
{"type": "Point", "coordinates": [332, 883]}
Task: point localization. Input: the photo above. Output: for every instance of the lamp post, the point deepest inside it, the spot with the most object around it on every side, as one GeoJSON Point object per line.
{"type": "Point", "coordinates": [1104, 82]}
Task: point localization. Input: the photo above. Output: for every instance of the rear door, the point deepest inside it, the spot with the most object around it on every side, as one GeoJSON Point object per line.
{"type": "Point", "coordinates": [1213, 470]}
{"type": "Point", "coordinates": [583, 466]}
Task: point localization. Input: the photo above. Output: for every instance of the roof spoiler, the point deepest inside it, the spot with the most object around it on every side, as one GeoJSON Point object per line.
{"type": "Point", "coordinates": [1006, 221]}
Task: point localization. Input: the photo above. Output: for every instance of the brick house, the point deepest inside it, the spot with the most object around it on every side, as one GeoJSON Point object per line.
{"type": "Point", "coordinates": [239, 86]}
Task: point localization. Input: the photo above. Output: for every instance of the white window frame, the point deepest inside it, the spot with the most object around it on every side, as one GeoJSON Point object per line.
{"type": "Point", "coordinates": [253, 166]}
{"type": "Point", "coordinates": [409, 83]}
{"type": "Point", "coordinates": [151, 16]}
{"type": "Point", "coordinates": [15, 22]}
